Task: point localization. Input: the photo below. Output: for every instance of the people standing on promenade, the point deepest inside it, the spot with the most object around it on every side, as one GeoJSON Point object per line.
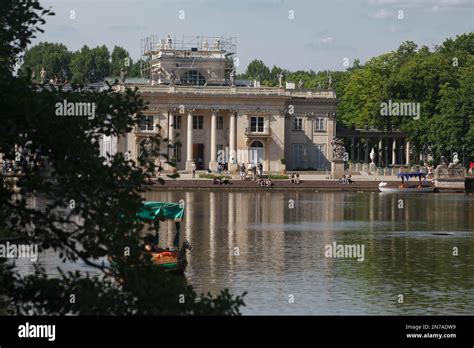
{"type": "Point", "coordinates": [193, 169]}
{"type": "Point", "coordinates": [159, 168]}
{"type": "Point", "coordinates": [260, 168]}
{"type": "Point", "coordinates": [430, 173]}
{"type": "Point", "coordinates": [254, 171]}
{"type": "Point", "coordinates": [297, 179]}
{"type": "Point", "coordinates": [242, 171]}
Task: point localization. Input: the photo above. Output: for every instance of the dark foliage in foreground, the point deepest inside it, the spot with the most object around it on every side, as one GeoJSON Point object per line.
{"type": "Point", "coordinates": [90, 203]}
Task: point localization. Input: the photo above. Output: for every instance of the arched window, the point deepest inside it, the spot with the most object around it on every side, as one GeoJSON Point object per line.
{"type": "Point", "coordinates": [257, 144]}
{"type": "Point", "coordinates": [192, 78]}
{"type": "Point", "coordinates": [256, 152]}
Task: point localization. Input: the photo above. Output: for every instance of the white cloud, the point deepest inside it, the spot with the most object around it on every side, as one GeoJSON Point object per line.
{"type": "Point", "coordinates": [382, 13]}
{"type": "Point", "coordinates": [326, 40]}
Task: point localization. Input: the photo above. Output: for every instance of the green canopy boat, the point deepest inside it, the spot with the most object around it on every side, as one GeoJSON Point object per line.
{"type": "Point", "coordinates": [153, 212]}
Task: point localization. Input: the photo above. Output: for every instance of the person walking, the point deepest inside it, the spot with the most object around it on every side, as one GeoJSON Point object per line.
{"type": "Point", "coordinates": [260, 169]}
{"type": "Point", "coordinates": [193, 169]}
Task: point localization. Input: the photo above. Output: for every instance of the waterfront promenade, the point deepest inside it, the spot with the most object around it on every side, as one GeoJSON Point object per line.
{"type": "Point", "coordinates": [308, 182]}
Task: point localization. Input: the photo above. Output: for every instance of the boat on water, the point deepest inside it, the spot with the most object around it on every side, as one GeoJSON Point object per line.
{"type": "Point", "coordinates": [174, 259]}
{"type": "Point", "coordinates": [406, 187]}
{"type": "Point", "coordinates": [171, 260]}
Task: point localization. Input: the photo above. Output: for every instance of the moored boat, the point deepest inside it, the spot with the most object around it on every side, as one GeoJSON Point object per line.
{"type": "Point", "coordinates": [405, 187]}
{"type": "Point", "coordinates": [171, 260]}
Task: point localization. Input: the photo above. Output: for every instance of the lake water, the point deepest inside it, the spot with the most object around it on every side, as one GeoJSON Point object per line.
{"type": "Point", "coordinates": [273, 246]}
{"type": "Point", "coordinates": [417, 248]}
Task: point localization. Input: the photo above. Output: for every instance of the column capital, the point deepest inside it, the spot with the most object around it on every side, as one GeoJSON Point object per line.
{"type": "Point", "coordinates": [171, 110]}
{"type": "Point", "coordinates": [214, 110]}
{"type": "Point", "coordinates": [190, 110]}
{"type": "Point", "coordinates": [233, 111]}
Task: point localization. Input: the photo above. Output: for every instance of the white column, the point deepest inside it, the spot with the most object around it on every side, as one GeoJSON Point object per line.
{"type": "Point", "coordinates": [213, 162]}
{"type": "Point", "coordinates": [171, 127]}
{"type": "Point", "coordinates": [232, 139]}
{"type": "Point", "coordinates": [189, 141]}
{"type": "Point", "coordinates": [394, 151]}
{"type": "Point", "coordinates": [407, 153]}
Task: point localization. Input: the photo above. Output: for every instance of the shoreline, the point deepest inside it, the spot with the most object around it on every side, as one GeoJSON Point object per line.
{"type": "Point", "coordinates": [279, 185]}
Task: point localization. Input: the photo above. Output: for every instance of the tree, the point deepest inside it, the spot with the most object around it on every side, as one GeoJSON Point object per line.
{"type": "Point", "coordinates": [102, 65]}
{"type": "Point", "coordinates": [135, 69]}
{"type": "Point", "coordinates": [120, 61]}
{"type": "Point", "coordinates": [257, 70]}
{"type": "Point", "coordinates": [365, 91]}
{"type": "Point", "coordinates": [82, 66]}
{"type": "Point", "coordinates": [106, 197]}
{"type": "Point", "coordinates": [53, 57]}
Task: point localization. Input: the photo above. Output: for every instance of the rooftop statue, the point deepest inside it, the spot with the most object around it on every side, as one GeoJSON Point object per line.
{"type": "Point", "coordinates": [205, 45]}
{"type": "Point", "coordinates": [168, 42]}
{"type": "Point", "coordinates": [280, 79]}
{"type": "Point", "coordinates": [329, 81]}
{"type": "Point", "coordinates": [217, 44]}
{"type": "Point", "coordinates": [232, 77]}
{"type": "Point", "coordinates": [123, 75]}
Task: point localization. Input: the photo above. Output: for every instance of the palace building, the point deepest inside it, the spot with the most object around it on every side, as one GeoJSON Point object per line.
{"type": "Point", "coordinates": [209, 117]}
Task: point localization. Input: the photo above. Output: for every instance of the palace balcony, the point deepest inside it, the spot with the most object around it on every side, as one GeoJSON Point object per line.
{"type": "Point", "coordinates": [267, 132]}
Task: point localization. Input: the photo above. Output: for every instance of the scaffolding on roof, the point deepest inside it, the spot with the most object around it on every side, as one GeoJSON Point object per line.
{"type": "Point", "coordinates": [188, 47]}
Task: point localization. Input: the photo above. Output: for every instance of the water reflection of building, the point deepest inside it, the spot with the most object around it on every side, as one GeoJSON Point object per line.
{"type": "Point", "coordinates": [274, 240]}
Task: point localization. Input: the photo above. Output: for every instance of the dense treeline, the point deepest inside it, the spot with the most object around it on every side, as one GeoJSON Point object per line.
{"type": "Point", "coordinates": [440, 80]}
{"type": "Point", "coordinates": [83, 66]}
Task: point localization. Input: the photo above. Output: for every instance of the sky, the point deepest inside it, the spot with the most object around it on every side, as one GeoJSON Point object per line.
{"type": "Point", "coordinates": [292, 34]}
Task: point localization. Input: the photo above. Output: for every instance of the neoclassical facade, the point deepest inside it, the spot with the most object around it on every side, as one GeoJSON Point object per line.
{"type": "Point", "coordinates": [206, 125]}
{"type": "Point", "coordinates": [208, 117]}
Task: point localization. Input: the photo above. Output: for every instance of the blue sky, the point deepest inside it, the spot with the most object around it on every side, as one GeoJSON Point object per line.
{"type": "Point", "coordinates": [319, 36]}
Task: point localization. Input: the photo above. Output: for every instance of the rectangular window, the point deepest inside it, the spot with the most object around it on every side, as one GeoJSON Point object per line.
{"type": "Point", "coordinates": [177, 122]}
{"type": "Point", "coordinates": [298, 123]}
{"type": "Point", "coordinates": [320, 160]}
{"type": "Point", "coordinates": [198, 122]}
{"type": "Point", "coordinates": [145, 124]}
{"type": "Point", "coordinates": [256, 124]}
{"type": "Point", "coordinates": [319, 124]}
{"type": "Point", "coordinates": [177, 152]}
{"type": "Point", "coordinates": [220, 122]}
